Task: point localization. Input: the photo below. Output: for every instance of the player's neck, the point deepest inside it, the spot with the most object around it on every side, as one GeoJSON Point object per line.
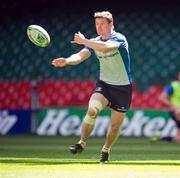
{"type": "Point", "coordinates": [107, 35]}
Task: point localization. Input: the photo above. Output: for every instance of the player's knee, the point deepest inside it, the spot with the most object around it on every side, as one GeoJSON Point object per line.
{"type": "Point", "coordinates": [92, 112]}
{"type": "Point", "coordinates": [91, 116]}
{"type": "Point", "coordinates": [94, 108]}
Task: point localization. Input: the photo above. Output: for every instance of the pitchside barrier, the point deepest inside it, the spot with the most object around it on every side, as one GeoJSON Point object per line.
{"type": "Point", "coordinates": [15, 122]}
{"type": "Point", "coordinates": [67, 122]}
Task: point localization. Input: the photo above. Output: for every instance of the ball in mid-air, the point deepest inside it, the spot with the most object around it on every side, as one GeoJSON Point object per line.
{"type": "Point", "coordinates": [38, 35]}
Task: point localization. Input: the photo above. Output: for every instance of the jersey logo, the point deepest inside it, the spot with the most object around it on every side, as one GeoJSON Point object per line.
{"type": "Point", "coordinates": [98, 89]}
{"type": "Point", "coordinates": [121, 109]}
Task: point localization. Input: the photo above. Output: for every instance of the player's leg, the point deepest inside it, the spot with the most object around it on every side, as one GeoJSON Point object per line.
{"type": "Point", "coordinates": [114, 128]}
{"type": "Point", "coordinates": [96, 104]}
{"type": "Point", "coordinates": [157, 136]}
{"type": "Point", "coordinates": [177, 120]}
{"type": "Point", "coordinates": [112, 134]}
{"type": "Point", "coordinates": [178, 135]}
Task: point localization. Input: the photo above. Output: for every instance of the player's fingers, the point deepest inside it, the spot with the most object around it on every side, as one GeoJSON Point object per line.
{"type": "Point", "coordinates": [58, 62]}
{"type": "Point", "coordinates": [54, 64]}
{"type": "Point", "coordinates": [73, 41]}
{"type": "Point", "coordinates": [55, 61]}
{"type": "Point", "coordinates": [75, 35]}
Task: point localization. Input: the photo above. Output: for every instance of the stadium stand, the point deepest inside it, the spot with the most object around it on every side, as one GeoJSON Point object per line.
{"type": "Point", "coordinates": [64, 93]}
{"type": "Point", "coordinates": [153, 41]}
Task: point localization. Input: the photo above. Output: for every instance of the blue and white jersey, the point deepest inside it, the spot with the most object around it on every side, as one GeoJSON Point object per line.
{"type": "Point", "coordinates": [114, 64]}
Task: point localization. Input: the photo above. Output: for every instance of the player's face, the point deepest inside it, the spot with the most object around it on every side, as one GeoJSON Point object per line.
{"type": "Point", "coordinates": [103, 27]}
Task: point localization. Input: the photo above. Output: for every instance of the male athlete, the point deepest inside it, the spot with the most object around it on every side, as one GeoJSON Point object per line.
{"type": "Point", "coordinates": [113, 89]}
{"type": "Point", "coordinates": [171, 97]}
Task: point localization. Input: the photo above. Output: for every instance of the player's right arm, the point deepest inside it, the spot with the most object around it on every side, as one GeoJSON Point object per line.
{"type": "Point", "coordinates": [73, 59]}
{"type": "Point", "coordinates": [165, 96]}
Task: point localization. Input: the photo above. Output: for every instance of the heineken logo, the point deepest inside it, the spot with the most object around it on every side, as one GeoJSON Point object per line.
{"type": "Point", "coordinates": [67, 122]}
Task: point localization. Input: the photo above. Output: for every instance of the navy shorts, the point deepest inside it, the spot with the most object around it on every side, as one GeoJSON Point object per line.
{"type": "Point", "coordinates": [119, 96]}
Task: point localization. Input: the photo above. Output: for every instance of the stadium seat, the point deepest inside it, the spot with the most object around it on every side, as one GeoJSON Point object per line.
{"type": "Point", "coordinates": [64, 93]}
{"type": "Point", "coordinates": [151, 48]}
{"type": "Point", "coordinates": [15, 95]}
{"type": "Point", "coordinates": [154, 59]}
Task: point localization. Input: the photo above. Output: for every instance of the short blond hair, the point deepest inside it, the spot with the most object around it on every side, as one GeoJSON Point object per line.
{"type": "Point", "coordinates": [104, 14]}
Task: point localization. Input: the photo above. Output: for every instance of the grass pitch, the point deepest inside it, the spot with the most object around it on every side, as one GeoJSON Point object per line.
{"type": "Point", "coordinates": [48, 157]}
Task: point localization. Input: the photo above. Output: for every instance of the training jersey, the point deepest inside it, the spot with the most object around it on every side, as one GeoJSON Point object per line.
{"type": "Point", "coordinates": [173, 90]}
{"type": "Point", "coordinates": [114, 64]}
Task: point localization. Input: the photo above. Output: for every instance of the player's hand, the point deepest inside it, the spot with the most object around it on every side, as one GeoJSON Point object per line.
{"type": "Point", "coordinates": [59, 62]}
{"type": "Point", "coordinates": [78, 38]}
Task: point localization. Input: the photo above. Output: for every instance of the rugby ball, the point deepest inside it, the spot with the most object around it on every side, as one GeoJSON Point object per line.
{"type": "Point", "coordinates": [38, 35]}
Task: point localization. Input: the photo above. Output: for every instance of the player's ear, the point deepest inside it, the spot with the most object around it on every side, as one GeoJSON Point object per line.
{"type": "Point", "coordinates": [111, 25]}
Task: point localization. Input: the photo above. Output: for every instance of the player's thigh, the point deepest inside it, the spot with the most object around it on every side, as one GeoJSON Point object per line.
{"type": "Point", "coordinates": [116, 118]}
{"type": "Point", "coordinates": [99, 98]}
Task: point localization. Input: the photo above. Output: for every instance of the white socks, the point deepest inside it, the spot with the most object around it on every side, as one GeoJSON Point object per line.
{"type": "Point", "coordinates": [104, 149]}
{"type": "Point", "coordinates": [82, 143]}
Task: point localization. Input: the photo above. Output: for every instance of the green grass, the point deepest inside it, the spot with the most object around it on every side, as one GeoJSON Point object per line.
{"type": "Point", "coordinates": [48, 157]}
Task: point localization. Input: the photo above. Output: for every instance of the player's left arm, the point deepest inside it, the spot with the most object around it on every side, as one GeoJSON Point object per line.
{"type": "Point", "coordinates": [95, 45]}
